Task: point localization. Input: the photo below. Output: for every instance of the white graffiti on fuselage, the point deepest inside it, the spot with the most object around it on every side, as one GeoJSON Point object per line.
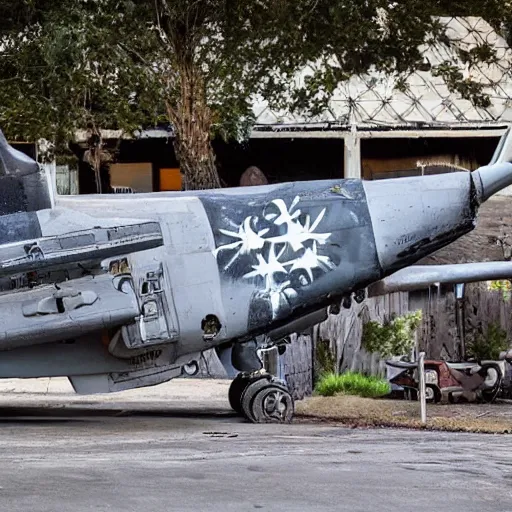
{"type": "Point", "coordinates": [298, 245]}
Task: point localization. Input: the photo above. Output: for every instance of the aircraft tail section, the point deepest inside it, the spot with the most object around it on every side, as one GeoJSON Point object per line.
{"type": "Point", "coordinates": [503, 152]}
{"type": "Point", "coordinates": [23, 191]}
{"type": "Point", "coordinates": [23, 184]}
{"type": "Point", "coordinates": [498, 174]}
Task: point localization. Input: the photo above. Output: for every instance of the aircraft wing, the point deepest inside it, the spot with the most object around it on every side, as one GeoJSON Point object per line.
{"type": "Point", "coordinates": [79, 246]}
{"type": "Point", "coordinates": [78, 305]}
{"type": "Point", "coordinates": [422, 276]}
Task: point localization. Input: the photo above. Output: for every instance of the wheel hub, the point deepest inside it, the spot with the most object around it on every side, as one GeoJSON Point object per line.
{"type": "Point", "coordinates": [268, 401]}
{"type": "Point", "coordinates": [275, 405]}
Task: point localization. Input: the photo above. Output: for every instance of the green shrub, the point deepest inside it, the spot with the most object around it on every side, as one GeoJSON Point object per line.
{"type": "Point", "coordinates": [351, 383]}
{"type": "Point", "coordinates": [394, 337]}
{"type": "Point", "coordinates": [488, 345]}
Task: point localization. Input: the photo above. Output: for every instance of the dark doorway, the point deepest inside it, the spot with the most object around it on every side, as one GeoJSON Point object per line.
{"type": "Point", "coordinates": [281, 160]}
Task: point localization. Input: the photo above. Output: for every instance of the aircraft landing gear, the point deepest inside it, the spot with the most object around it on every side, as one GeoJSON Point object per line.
{"type": "Point", "coordinates": [237, 388]}
{"type": "Point", "coordinates": [261, 398]}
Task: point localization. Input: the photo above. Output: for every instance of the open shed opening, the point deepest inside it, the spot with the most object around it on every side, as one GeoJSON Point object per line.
{"type": "Point", "coordinates": [401, 157]}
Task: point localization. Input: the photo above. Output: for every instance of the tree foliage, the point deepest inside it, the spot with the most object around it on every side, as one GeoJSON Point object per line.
{"type": "Point", "coordinates": [200, 64]}
{"type": "Point", "coordinates": [63, 66]}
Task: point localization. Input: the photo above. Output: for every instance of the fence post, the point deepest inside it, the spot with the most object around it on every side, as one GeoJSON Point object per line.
{"type": "Point", "coordinates": [422, 388]}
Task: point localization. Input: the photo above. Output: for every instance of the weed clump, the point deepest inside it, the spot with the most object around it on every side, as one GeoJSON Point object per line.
{"type": "Point", "coordinates": [352, 383]}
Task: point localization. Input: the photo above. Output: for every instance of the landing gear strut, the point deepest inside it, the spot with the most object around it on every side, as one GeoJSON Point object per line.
{"type": "Point", "coordinates": [261, 398]}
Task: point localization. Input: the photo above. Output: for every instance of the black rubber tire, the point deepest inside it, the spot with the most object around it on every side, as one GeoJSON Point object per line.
{"type": "Point", "coordinates": [252, 399]}
{"type": "Point", "coordinates": [237, 389]}
{"type": "Point", "coordinates": [235, 392]}
{"type": "Point", "coordinates": [250, 392]}
{"type": "Point", "coordinates": [436, 392]}
{"type": "Point", "coordinates": [259, 412]}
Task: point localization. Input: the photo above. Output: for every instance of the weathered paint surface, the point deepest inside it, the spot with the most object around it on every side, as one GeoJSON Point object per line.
{"type": "Point", "coordinates": [413, 217]}
{"type": "Point", "coordinates": [290, 251]}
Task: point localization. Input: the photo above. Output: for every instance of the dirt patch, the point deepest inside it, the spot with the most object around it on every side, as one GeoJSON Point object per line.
{"type": "Point", "coordinates": [365, 412]}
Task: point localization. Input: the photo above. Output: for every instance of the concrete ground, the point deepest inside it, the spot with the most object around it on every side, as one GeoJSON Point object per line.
{"type": "Point", "coordinates": [178, 447]}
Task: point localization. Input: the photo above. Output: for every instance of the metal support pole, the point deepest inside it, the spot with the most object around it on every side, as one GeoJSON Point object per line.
{"type": "Point", "coordinates": [353, 154]}
{"type": "Point", "coordinates": [459, 318]}
{"type": "Point", "coordinates": [422, 388]}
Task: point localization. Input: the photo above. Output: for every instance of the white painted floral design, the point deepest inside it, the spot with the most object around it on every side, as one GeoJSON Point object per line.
{"type": "Point", "coordinates": [276, 259]}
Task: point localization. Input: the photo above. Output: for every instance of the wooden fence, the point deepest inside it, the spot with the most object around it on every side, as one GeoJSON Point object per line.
{"type": "Point", "coordinates": [298, 363]}
{"type": "Point", "coordinates": [344, 332]}
{"type": "Point", "coordinates": [437, 334]}
{"type": "Point", "coordinates": [441, 337]}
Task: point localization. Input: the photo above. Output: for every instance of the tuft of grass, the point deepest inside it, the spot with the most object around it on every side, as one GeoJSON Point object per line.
{"type": "Point", "coordinates": [351, 383]}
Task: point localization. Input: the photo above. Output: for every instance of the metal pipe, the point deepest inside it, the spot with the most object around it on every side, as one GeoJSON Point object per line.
{"type": "Point", "coordinates": [422, 388]}
{"type": "Point", "coordinates": [423, 276]}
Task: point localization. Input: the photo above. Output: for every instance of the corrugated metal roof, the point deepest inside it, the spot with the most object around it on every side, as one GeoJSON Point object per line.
{"type": "Point", "coordinates": [372, 101]}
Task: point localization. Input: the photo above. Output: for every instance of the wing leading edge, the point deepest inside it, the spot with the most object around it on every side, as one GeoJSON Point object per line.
{"type": "Point", "coordinates": [422, 276]}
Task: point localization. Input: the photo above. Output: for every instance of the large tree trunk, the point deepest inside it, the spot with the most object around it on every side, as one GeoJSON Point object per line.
{"type": "Point", "coordinates": [99, 158]}
{"type": "Point", "coordinates": [93, 155]}
{"type": "Point", "coordinates": [191, 119]}
{"type": "Point", "coordinates": [197, 159]}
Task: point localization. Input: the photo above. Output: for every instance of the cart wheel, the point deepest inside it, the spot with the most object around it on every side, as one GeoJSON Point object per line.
{"type": "Point", "coordinates": [433, 394]}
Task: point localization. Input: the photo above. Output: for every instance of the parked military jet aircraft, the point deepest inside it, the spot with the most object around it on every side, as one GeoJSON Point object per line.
{"type": "Point", "coordinates": [124, 291]}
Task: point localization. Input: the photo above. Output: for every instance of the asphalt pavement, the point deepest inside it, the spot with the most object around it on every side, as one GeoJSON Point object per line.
{"type": "Point", "coordinates": [177, 447]}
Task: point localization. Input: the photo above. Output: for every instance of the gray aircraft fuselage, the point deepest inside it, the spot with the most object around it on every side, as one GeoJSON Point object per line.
{"type": "Point", "coordinates": [124, 290]}
{"type": "Point", "coordinates": [261, 257]}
